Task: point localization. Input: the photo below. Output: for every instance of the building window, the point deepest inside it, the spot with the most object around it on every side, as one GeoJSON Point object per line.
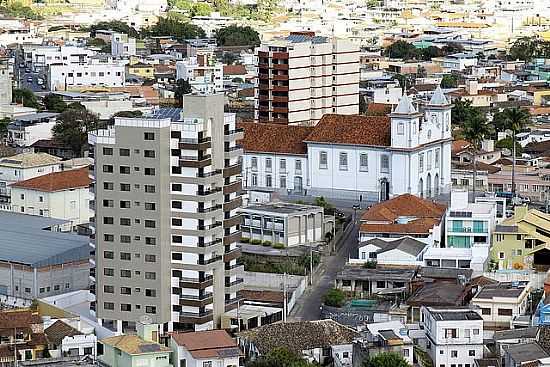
{"type": "Point", "coordinates": [282, 165]}
{"type": "Point", "coordinates": [108, 237]}
{"type": "Point", "coordinates": [343, 161]}
{"type": "Point", "coordinates": [150, 309]}
{"type": "Point", "coordinates": [150, 189]}
{"type": "Point", "coordinates": [298, 167]}
{"type": "Point", "coordinates": [109, 272]}
{"type": "Point", "coordinates": [126, 291]}
{"type": "Point", "coordinates": [108, 289]}
{"type": "Point", "coordinates": [149, 171]}
{"type": "Point", "coordinates": [148, 136]}
{"type": "Point", "coordinates": [421, 162]}
{"type": "Point", "coordinates": [150, 206]}
{"type": "Point", "coordinates": [150, 275]}
{"type": "Point", "coordinates": [384, 163]}
{"type": "Point", "coordinates": [429, 159]}
{"type": "Point", "coordinates": [150, 258]}
{"type": "Point", "coordinates": [108, 220]}
{"type": "Point", "coordinates": [107, 151]}
{"type": "Point", "coordinates": [485, 311]}
{"type": "Point", "coordinates": [254, 179]}
{"type": "Point", "coordinates": [124, 152]}
{"type": "Point", "coordinates": [268, 164]}
{"type": "Point", "coordinates": [125, 307]}
{"type": "Point", "coordinates": [437, 153]}
{"type": "Point", "coordinates": [107, 168]}
{"type": "Point", "coordinates": [268, 181]}
{"type": "Point", "coordinates": [501, 255]}
{"type": "Point", "coordinates": [150, 292]}
{"type": "Point", "coordinates": [254, 163]}
{"type": "Point", "coordinates": [472, 353]}
{"type": "Point", "coordinates": [108, 186]}
{"type": "Point", "coordinates": [505, 312]}
{"type": "Point", "coordinates": [207, 364]}
{"type": "Point", "coordinates": [124, 204]}
{"type": "Point", "coordinates": [150, 223]}
{"type": "Point", "coordinates": [151, 241]}
{"type": "Point", "coordinates": [125, 256]}
{"type": "Point", "coordinates": [400, 128]}
{"type": "Point", "coordinates": [108, 305]}
{"type": "Point", "coordinates": [125, 273]}
{"type": "Point", "coordinates": [282, 182]}
{"type": "Point", "coordinates": [363, 162]}
{"type": "Point", "coordinates": [124, 170]}
{"type": "Point", "coordinates": [149, 153]}
{"type": "Point", "coordinates": [323, 160]}
{"type": "Point", "coordinates": [454, 353]}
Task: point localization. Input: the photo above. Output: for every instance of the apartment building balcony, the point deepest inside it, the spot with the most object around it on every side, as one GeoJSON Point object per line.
{"type": "Point", "coordinates": [204, 179]}
{"type": "Point", "coordinates": [196, 318]}
{"type": "Point", "coordinates": [232, 238]}
{"type": "Point", "coordinates": [237, 134]}
{"type": "Point", "coordinates": [196, 283]}
{"type": "Point", "coordinates": [280, 99]}
{"type": "Point", "coordinates": [280, 88]}
{"type": "Point", "coordinates": [280, 67]}
{"type": "Point", "coordinates": [195, 162]}
{"type": "Point", "coordinates": [280, 109]}
{"type": "Point", "coordinates": [232, 255]}
{"type": "Point", "coordinates": [263, 76]}
{"type": "Point", "coordinates": [263, 98]}
{"type": "Point", "coordinates": [468, 230]}
{"type": "Point", "coordinates": [200, 250]}
{"type": "Point", "coordinates": [232, 303]}
{"type": "Point", "coordinates": [264, 54]}
{"type": "Point", "coordinates": [235, 286]}
{"type": "Point", "coordinates": [233, 204]}
{"type": "Point", "coordinates": [232, 187]}
{"type": "Point", "coordinates": [263, 65]}
{"type": "Point", "coordinates": [233, 152]}
{"type": "Point", "coordinates": [263, 108]}
{"type": "Point", "coordinates": [279, 55]}
{"type": "Point", "coordinates": [195, 144]}
{"type": "Point", "coordinates": [280, 77]}
{"type": "Point", "coordinates": [237, 269]}
{"type": "Point", "coordinates": [233, 170]}
{"type": "Point", "coordinates": [201, 231]}
{"type": "Point", "coordinates": [196, 301]}
{"type": "Point", "coordinates": [207, 213]}
{"type": "Point", "coordinates": [233, 221]}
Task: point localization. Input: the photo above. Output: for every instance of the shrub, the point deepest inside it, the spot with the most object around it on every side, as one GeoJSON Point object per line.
{"type": "Point", "coordinates": [255, 242]}
{"type": "Point", "coordinates": [279, 245]}
{"type": "Point", "coordinates": [334, 298]}
{"type": "Point", "coordinates": [371, 264]}
{"type": "Point", "coordinates": [266, 243]}
{"type": "Point", "coordinates": [245, 240]}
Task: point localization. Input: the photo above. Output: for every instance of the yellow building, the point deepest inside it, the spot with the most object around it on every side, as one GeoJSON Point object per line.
{"type": "Point", "coordinates": [523, 241]}
{"type": "Point", "coordinates": [143, 70]}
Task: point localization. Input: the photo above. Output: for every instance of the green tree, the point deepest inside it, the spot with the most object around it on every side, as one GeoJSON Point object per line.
{"type": "Point", "coordinates": [131, 114]}
{"type": "Point", "coordinates": [201, 9]}
{"type": "Point", "coordinates": [386, 359]}
{"type": "Point", "coordinates": [506, 143]}
{"type": "Point", "coordinates": [54, 102]}
{"type": "Point", "coordinates": [181, 4]}
{"type": "Point", "coordinates": [280, 357]}
{"type": "Point", "coordinates": [373, 3]}
{"type": "Point", "coordinates": [475, 129]}
{"type": "Point", "coordinates": [515, 120]}
{"type": "Point", "coordinates": [182, 87]}
{"type": "Point", "coordinates": [170, 26]}
{"type": "Point", "coordinates": [334, 298]}
{"type": "Point", "coordinates": [72, 129]}
{"type": "Point", "coordinates": [234, 35]}
{"type": "Point", "coordinates": [449, 81]}
{"type": "Point", "coordinates": [26, 97]}
{"type": "Point", "coordinates": [461, 111]}
{"type": "Point", "coordinates": [96, 42]}
{"type": "Point", "coordinates": [401, 50]}
{"type": "Point", "coordinates": [524, 48]}
{"type": "Point", "coordinates": [114, 25]}
{"type": "Point", "coordinates": [18, 10]}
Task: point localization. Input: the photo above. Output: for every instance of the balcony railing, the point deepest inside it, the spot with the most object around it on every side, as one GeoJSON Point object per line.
{"type": "Point", "coordinates": [209, 261]}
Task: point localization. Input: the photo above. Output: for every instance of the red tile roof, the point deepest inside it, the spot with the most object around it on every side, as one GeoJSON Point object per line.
{"type": "Point", "coordinates": [418, 226]}
{"type": "Point", "coordinates": [234, 70]}
{"type": "Point", "coordinates": [205, 344]}
{"type": "Point", "coordinates": [57, 181]}
{"type": "Point", "coordinates": [273, 138]}
{"type": "Point", "coordinates": [459, 145]}
{"type": "Point", "coordinates": [352, 130]}
{"type": "Point", "coordinates": [18, 319]}
{"type": "Point", "coordinates": [406, 205]}
{"type": "Point", "coordinates": [378, 109]}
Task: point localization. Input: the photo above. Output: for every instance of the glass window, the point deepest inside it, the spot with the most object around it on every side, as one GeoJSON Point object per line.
{"type": "Point", "coordinates": [282, 164]}
{"type": "Point", "coordinates": [384, 163]}
{"type": "Point", "coordinates": [400, 128]}
{"type": "Point", "coordinates": [149, 136]}
{"type": "Point", "coordinates": [268, 164]}
{"type": "Point", "coordinates": [421, 162]}
{"type": "Point", "coordinates": [298, 166]}
{"type": "Point", "coordinates": [343, 161]}
{"type": "Point", "coordinates": [437, 153]}
{"type": "Point", "coordinates": [254, 163]}
{"type": "Point", "coordinates": [268, 181]}
{"type": "Point", "coordinates": [123, 152]}
{"type": "Point", "coordinates": [429, 159]}
{"type": "Point", "coordinates": [363, 162]}
{"type": "Point", "coordinates": [323, 160]}
{"type": "Point", "coordinates": [282, 182]}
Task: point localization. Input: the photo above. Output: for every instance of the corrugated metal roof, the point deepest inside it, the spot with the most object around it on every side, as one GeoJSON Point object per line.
{"type": "Point", "coordinates": [299, 38]}
{"type": "Point", "coordinates": [25, 240]}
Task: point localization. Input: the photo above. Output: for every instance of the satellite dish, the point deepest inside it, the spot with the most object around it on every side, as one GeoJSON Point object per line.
{"type": "Point", "coordinates": [145, 319]}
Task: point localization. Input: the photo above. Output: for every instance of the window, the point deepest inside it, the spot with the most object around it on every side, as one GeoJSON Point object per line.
{"type": "Point", "coordinates": [485, 311]}
{"type": "Point", "coordinates": [108, 186]}
{"type": "Point", "coordinates": [177, 204]}
{"type": "Point", "coordinates": [124, 187]}
{"type": "Point", "coordinates": [150, 223]}
{"type": "Point", "coordinates": [150, 206]}
{"type": "Point", "coordinates": [177, 256]}
{"type": "Point", "coordinates": [429, 159]}
{"type": "Point", "coordinates": [451, 333]}
{"type": "Point", "coordinates": [150, 189]}
{"type": "Point", "coordinates": [108, 289]}
{"type": "Point", "coordinates": [150, 258]}
{"type": "Point", "coordinates": [108, 305]}
{"type": "Point", "coordinates": [149, 171]}
{"type": "Point", "coordinates": [150, 275]}
{"type": "Point", "coordinates": [126, 290]}
{"type": "Point", "coordinates": [268, 164]}
{"type": "Point", "coordinates": [454, 353]}
{"type": "Point", "coordinates": [151, 241]}
{"type": "Point", "coordinates": [108, 220]}
{"type": "Point", "coordinates": [475, 331]}
{"type": "Point", "coordinates": [472, 353]}
{"type": "Point", "coordinates": [123, 152]}
{"type": "Point", "coordinates": [405, 353]}
{"type": "Point", "coordinates": [282, 165]}
{"type": "Point", "coordinates": [381, 284]}
{"type": "Point", "coordinates": [124, 170]}
{"type": "Point", "coordinates": [124, 204]}
{"type": "Point", "coordinates": [298, 166]}
{"type": "Point", "coordinates": [384, 163]}
{"type": "Point", "coordinates": [149, 153]}
{"type": "Point", "coordinates": [150, 309]}
{"type": "Point", "coordinates": [108, 237]}
{"type": "Point", "coordinates": [421, 162]}
{"type": "Point", "coordinates": [207, 364]}
{"type": "Point", "coordinates": [400, 128]}
{"type": "Point", "coordinates": [323, 160]}
{"type": "Point", "coordinates": [107, 168]}
{"type": "Point", "coordinates": [107, 151]}
{"type": "Point", "coordinates": [505, 312]}
{"type": "Point", "coordinates": [343, 161]}
{"type": "Point", "coordinates": [437, 153]}
{"type": "Point", "coordinates": [501, 255]}
{"type": "Point", "coordinates": [125, 273]}
{"type": "Point", "coordinates": [108, 272]}
{"type": "Point", "coordinates": [254, 179]}
{"type": "Point", "coordinates": [282, 182]}
{"type": "Point", "coordinates": [125, 256]}
{"type": "Point", "coordinates": [254, 163]}
{"type": "Point", "coordinates": [148, 136]}
{"type": "Point", "coordinates": [268, 181]}
{"type": "Point", "coordinates": [363, 162]}
{"type": "Point", "coordinates": [41, 199]}
{"type": "Point", "coordinates": [150, 292]}
{"type": "Point", "coordinates": [125, 307]}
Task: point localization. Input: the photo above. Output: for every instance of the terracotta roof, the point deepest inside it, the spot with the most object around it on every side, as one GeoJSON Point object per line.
{"type": "Point", "coordinates": [133, 344]}
{"type": "Point", "coordinates": [263, 296]}
{"type": "Point", "coordinates": [406, 205]}
{"type": "Point", "coordinates": [207, 344]}
{"type": "Point", "coordinates": [18, 319]}
{"type": "Point", "coordinates": [273, 138]}
{"type": "Point", "coordinates": [378, 109]}
{"type": "Point", "coordinates": [418, 226]}
{"type": "Point", "coordinates": [234, 70]}
{"type": "Point", "coordinates": [48, 143]}
{"type": "Point", "coordinates": [57, 181]}
{"type": "Point", "coordinates": [459, 145]}
{"type": "Point", "coordinates": [59, 330]}
{"type": "Point", "coordinates": [352, 130]}
{"type": "Point", "coordinates": [479, 165]}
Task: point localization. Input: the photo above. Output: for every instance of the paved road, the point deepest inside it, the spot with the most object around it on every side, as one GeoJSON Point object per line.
{"type": "Point", "coordinates": [308, 306]}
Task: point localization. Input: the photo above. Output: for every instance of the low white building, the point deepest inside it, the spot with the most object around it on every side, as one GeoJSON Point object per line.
{"type": "Point", "coordinates": [97, 72]}
{"type": "Point", "coordinates": [456, 62]}
{"type": "Point", "coordinates": [501, 302]}
{"type": "Point", "coordinates": [405, 251]}
{"type": "Point", "coordinates": [454, 335]}
{"type": "Point", "coordinates": [122, 45]}
{"type": "Point", "coordinates": [67, 340]}
{"type": "Point", "coordinates": [204, 348]}
{"type": "Point", "coordinates": [44, 56]}
{"type": "Point", "coordinates": [390, 336]}
{"type": "Point", "coordinates": [28, 129]}
{"type": "Point", "coordinates": [203, 72]}
{"type": "Point", "coordinates": [383, 90]}
{"type": "Point", "coordinates": [24, 166]}
{"type": "Point", "coordinates": [62, 195]}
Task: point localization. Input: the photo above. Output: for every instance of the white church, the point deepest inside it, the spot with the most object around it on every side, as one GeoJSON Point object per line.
{"type": "Point", "coordinates": [363, 158]}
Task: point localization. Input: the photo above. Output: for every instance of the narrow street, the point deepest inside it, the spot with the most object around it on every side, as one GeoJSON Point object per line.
{"type": "Point", "coordinates": [308, 306]}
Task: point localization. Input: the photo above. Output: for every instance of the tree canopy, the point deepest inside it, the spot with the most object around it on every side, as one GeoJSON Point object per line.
{"type": "Point", "coordinates": [405, 50]}
{"type": "Point", "coordinates": [170, 26]}
{"type": "Point", "coordinates": [462, 110]}
{"type": "Point", "coordinates": [53, 102]}
{"type": "Point", "coordinates": [280, 357]}
{"type": "Point", "coordinates": [72, 128]}
{"type": "Point", "coordinates": [527, 48]}
{"type": "Point", "coordinates": [19, 10]}
{"type": "Point", "coordinates": [234, 35]}
{"type": "Point", "coordinates": [386, 359]}
{"type": "Point", "coordinates": [114, 25]}
{"type": "Point", "coordinates": [182, 87]}
{"type": "Point", "coordinates": [334, 298]}
{"type": "Point", "coordinates": [449, 81]}
{"type": "Point", "coordinates": [26, 97]}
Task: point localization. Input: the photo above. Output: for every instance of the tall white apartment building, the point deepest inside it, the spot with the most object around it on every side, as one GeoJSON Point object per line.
{"type": "Point", "coordinates": [455, 336]}
{"type": "Point", "coordinates": [96, 72]}
{"type": "Point", "coordinates": [203, 72]}
{"type": "Point", "coordinates": [303, 76]}
{"type": "Point", "coordinates": [122, 45]}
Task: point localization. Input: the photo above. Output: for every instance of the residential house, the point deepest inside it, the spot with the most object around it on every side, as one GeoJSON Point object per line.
{"type": "Point", "coordinates": [141, 69]}
{"type": "Point", "coordinates": [404, 215]}
{"type": "Point", "coordinates": [506, 338]}
{"type": "Point", "coordinates": [363, 158]}
{"type": "Point", "coordinates": [500, 303]}
{"type": "Point", "coordinates": [521, 241]}
{"type": "Point", "coordinates": [405, 251]}
{"type": "Point", "coordinates": [317, 341]}
{"type": "Point", "coordinates": [65, 340]}
{"type": "Point", "coordinates": [365, 282]}
{"type": "Point", "coordinates": [455, 335]}
{"type": "Point", "coordinates": [28, 129]}
{"type": "Point", "coordinates": [95, 73]}
{"type": "Point", "coordinates": [203, 72]}
{"type": "Point", "coordinates": [63, 195]}
{"type": "Point", "coordinates": [135, 350]}
{"type": "Point", "coordinates": [522, 355]}
{"type": "Point", "coordinates": [52, 147]}
{"type": "Point", "coordinates": [24, 166]}
{"type": "Point", "coordinates": [21, 330]}
{"type": "Point", "coordinates": [456, 62]}
{"type": "Point", "coordinates": [204, 348]}
{"type": "Point", "coordinates": [285, 223]}
{"type": "Point", "coordinates": [122, 45]}
{"type": "Point", "coordinates": [392, 337]}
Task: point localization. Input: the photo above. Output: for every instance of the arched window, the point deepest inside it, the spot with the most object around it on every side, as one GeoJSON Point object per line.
{"type": "Point", "coordinates": [436, 185]}
{"type": "Point", "coordinates": [429, 186]}
{"type": "Point", "coordinates": [421, 188]}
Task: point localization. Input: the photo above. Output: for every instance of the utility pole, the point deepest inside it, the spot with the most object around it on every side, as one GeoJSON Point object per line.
{"type": "Point", "coordinates": [284, 298]}
{"type": "Point", "coordinates": [15, 345]}
{"type": "Point", "coordinates": [310, 264]}
{"type": "Point", "coordinates": [238, 316]}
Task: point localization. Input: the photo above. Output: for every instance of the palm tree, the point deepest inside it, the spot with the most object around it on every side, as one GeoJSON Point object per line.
{"type": "Point", "coordinates": [515, 120]}
{"type": "Point", "coordinates": [474, 130]}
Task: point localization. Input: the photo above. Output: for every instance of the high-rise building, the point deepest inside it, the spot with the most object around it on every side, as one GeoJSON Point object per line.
{"type": "Point", "coordinates": [303, 76]}
{"type": "Point", "coordinates": [166, 222]}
